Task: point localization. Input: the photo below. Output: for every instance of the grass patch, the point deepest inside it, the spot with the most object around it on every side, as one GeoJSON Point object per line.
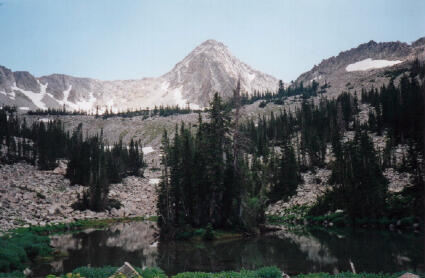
{"type": "Point", "coordinates": [350, 275]}
{"type": "Point", "coordinates": [265, 272]}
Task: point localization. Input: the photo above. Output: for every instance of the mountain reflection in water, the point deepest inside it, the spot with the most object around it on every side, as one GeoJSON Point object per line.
{"type": "Point", "coordinates": [293, 252]}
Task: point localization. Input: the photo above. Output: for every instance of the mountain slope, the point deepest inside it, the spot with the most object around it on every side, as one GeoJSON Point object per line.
{"type": "Point", "coordinates": [364, 66]}
{"type": "Point", "coordinates": [209, 68]}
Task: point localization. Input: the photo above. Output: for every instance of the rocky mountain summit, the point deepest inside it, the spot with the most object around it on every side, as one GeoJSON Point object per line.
{"type": "Point", "coordinates": [209, 68]}
{"type": "Point", "coordinates": [369, 64]}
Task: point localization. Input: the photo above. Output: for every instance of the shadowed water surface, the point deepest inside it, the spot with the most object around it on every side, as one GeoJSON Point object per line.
{"type": "Point", "coordinates": [317, 251]}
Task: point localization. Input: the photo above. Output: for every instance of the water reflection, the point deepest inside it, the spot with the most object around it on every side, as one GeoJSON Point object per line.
{"type": "Point", "coordinates": [293, 252]}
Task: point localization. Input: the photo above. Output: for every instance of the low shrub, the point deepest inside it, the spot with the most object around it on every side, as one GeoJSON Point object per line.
{"type": "Point", "coordinates": [20, 248]}
{"type": "Point", "coordinates": [107, 271]}
{"type": "Point", "coordinates": [15, 274]}
{"type": "Point", "coordinates": [349, 275]}
{"type": "Point", "coordinates": [265, 272]}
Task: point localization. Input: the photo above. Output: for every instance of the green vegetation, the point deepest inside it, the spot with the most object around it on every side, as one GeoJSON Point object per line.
{"type": "Point", "coordinates": [90, 164]}
{"type": "Point", "coordinates": [15, 274]}
{"type": "Point", "coordinates": [107, 271]}
{"type": "Point", "coordinates": [265, 272]}
{"type": "Point", "coordinates": [163, 111]}
{"type": "Point", "coordinates": [20, 248]}
{"type": "Point", "coordinates": [207, 181]}
{"type": "Point", "coordinates": [349, 275]}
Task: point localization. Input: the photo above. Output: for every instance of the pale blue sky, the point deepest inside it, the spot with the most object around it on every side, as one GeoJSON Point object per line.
{"type": "Point", "coordinates": [122, 39]}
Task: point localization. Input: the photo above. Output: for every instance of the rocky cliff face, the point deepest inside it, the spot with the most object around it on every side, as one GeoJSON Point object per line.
{"type": "Point", "coordinates": [212, 68]}
{"type": "Point", "coordinates": [363, 66]}
{"type": "Point", "coordinates": [209, 68]}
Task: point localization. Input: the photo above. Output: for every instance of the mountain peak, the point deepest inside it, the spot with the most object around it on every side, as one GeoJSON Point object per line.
{"type": "Point", "coordinates": [211, 42]}
{"type": "Point", "coordinates": [210, 46]}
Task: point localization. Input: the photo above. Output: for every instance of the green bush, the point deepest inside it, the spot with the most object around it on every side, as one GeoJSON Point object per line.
{"type": "Point", "coordinates": [349, 275]}
{"type": "Point", "coordinates": [15, 274]}
{"type": "Point", "coordinates": [19, 248]}
{"type": "Point", "coordinates": [106, 271]}
{"type": "Point", "coordinates": [265, 272]}
{"type": "Point", "coordinates": [95, 272]}
{"type": "Point", "coordinates": [199, 232]}
{"type": "Point", "coordinates": [152, 272]}
{"type": "Point", "coordinates": [209, 233]}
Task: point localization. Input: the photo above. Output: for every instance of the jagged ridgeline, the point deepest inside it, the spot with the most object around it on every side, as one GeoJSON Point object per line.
{"type": "Point", "coordinates": [90, 162]}
{"type": "Point", "coordinates": [212, 177]}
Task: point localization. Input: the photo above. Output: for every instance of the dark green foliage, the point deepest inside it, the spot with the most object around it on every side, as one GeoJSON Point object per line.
{"type": "Point", "coordinates": [20, 248]}
{"type": "Point", "coordinates": [15, 274]}
{"type": "Point", "coordinates": [265, 272]}
{"type": "Point", "coordinates": [107, 271]}
{"type": "Point", "coordinates": [203, 182]}
{"type": "Point", "coordinates": [288, 176]}
{"type": "Point", "coordinates": [209, 233]}
{"type": "Point", "coordinates": [349, 275]}
{"type": "Point", "coordinates": [359, 187]}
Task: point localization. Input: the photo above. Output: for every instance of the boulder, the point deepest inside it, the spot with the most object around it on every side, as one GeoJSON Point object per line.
{"type": "Point", "coordinates": [409, 275]}
{"type": "Point", "coordinates": [27, 272]}
{"type": "Point", "coordinates": [127, 270]}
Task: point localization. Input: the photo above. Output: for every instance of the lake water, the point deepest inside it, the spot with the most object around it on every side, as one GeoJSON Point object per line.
{"type": "Point", "coordinates": [293, 252]}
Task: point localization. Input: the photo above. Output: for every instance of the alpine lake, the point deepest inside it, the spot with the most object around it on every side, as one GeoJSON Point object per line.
{"type": "Point", "coordinates": [293, 251]}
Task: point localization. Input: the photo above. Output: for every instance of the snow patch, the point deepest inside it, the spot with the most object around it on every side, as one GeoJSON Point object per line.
{"type": "Point", "coordinates": [81, 104]}
{"type": "Point", "coordinates": [147, 150]}
{"type": "Point", "coordinates": [24, 108]}
{"type": "Point", "coordinates": [368, 64]}
{"type": "Point", "coordinates": [154, 181]}
{"type": "Point", "coordinates": [178, 97]}
{"type": "Point", "coordinates": [12, 95]}
{"type": "Point", "coordinates": [36, 98]}
{"type": "Point", "coordinates": [4, 93]}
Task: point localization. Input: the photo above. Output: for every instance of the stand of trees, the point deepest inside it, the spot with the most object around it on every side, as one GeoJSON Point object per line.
{"type": "Point", "coordinates": [162, 111]}
{"type": "Point", "coordinates": [206, 180]}
{"type": "Point", "coordinates": [90, 163]}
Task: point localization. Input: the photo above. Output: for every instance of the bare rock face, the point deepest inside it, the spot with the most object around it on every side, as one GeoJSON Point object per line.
{"type": "Point", "coordinates": [211, 68]}
{"type": "Point", "coordinates": [372, 62]}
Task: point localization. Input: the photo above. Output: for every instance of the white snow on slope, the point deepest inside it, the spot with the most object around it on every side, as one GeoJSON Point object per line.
{"type": "Point", "coordinates": [81, 104]}
{"type": "Point", "coordinates": [4, 93]}
{"type": "Point", "coordinates": [178, 97]}
{"type": "Point", "coordinates": [147, 150]}
{"type": "Point", "coordinates": [36, 98]}
{"type": "Point", "coordinates": [12, 95]}
{"type": "Point", "coordinates": [368, 64]}
{"type": "Point", "coordinates": [154, 181]}
{"type": "Point", "coordinates": [24, 108]}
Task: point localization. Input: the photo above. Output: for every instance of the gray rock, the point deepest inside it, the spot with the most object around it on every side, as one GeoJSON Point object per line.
{"type": "Point", "coordinates": [409, 275]}
{"type": "Point", "coordinates": [128, 270]}
{"type": "Point", "coordinates": [27, 272]}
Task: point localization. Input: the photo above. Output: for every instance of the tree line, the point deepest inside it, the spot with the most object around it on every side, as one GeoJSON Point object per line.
{"type": "Point", "coordinates": [90, 162]}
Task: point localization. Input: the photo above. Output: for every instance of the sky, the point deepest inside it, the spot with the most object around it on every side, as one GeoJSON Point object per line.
{"type": "Point", "coordinates": [128, 39]}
